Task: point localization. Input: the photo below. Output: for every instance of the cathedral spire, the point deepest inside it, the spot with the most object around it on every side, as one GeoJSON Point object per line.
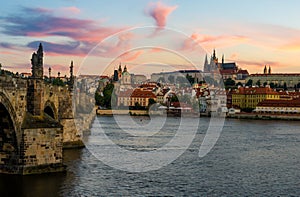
{"type": "Point", "coordinates": [71, 70]}
{"type": "Point", "coordinates": [222, 59]}
{"type": "Point", "coordinates": [206, 66]}
{"type": "Point", "coordinates": [265, 69]}
{"type": "Point", "coordinates": [214, 54]}
{"type": "Point", "coordinates": [269, 72]}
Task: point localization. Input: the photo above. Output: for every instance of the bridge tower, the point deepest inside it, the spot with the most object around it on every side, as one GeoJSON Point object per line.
{"type": "Point", "coordinates": [36, 85]}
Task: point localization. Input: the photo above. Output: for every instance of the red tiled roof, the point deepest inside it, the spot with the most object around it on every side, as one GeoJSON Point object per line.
{"type": "Point", "coordinates": [228, 71]}
{"type": "Point", "coordinates": [255, 90]}
{"type": "Point", "coordinates": [138, 93]}
{"type": "Point", "coordinates": [279, 103]}
{"type": "Point", "coordinates": [276, 74]}
{"type": "Point", "coordinates": [244, 72]}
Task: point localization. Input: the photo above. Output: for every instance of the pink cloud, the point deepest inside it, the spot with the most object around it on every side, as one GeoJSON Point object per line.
{"type": "Point", "coordinates": [292, 45]}
{"type": "Point", "coordinates": [131, 56]}
{"type": "Point", "coordinates": [72, 9]}
{"type": "Point", "coordinates": [156, 50]}
{"type": "Point", "coordinates": [160, 12]}
{"type": "Point", "coordinates": [7, 53]}
{"type": "Point", "coordinates": [210, 41]}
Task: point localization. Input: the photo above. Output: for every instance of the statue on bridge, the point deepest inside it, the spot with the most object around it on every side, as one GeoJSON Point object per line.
{"type": "Point", "coordinates": [37, 63]}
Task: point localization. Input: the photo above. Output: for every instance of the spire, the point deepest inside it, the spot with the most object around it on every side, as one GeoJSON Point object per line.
{"type": "Point", "coordinates": [206, 66]}
{"type": "Point", "coordinates": [120, 68]}
{"type": "Point", "coordinates": [222, 59]}
{"type": "Point", "coordinates": [49, 72]}
{"type": "Point", "coordinates": [269, 72]}
{"type": "Point", "coordinates": [265, 69]}
{"type": "Point", "coordinates": [40, 50]}
{"type": "Point", "coordinates": [214, 54]}
{"type": "Point", "coordinates": [71, 69]}
{"type": "Point", "coordinates": [125, 69]}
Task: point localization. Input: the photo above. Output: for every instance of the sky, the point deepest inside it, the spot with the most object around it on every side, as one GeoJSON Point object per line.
{"type": "Point", "coordinates": [150, 36]}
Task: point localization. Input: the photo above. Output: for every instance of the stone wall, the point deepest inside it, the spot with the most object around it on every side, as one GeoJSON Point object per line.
{"type": "Point", "coordinates": [42, 150]}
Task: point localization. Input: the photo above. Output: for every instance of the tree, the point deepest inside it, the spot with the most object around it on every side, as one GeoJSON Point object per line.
{"type": "Point", "coordinates": [106, 98]}
{"type": "Point", "coordinates": [258, 83]}
{"type": "Point", "coordinates": [265, 84]}
{"type": "Point", "coordinates": [151, 101]}
{"type": "Point", "coordinates": [229, 82]}
{"type": "Point", "coordinates": [239, 84]}
{"type": "Point", "coordinates": [171, 79]}
{"type": "Point", "coordinates": [272, 85]}
{"type": "Point", "coordinates": [190, 79]}
{"type": "Point", "coordinates": [174, 98]}
{"type": "Point", "coordinates": [58, 82]}
{"type": "Point", "coordinates": [284, 86]}
{"type": "Point", "coordinates": [249, 82]}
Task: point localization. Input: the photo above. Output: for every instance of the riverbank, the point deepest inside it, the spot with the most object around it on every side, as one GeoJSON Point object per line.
{"type": "Point", "coordinates": [260, 116]}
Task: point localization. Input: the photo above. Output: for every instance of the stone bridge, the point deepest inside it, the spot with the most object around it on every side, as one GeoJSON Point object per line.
{"type": "Point", "coordinates": [36, 122]}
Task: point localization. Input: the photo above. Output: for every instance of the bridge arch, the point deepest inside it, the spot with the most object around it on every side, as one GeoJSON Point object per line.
{"type": "Point", "coordinates": [8, 133]}
{"type": "Point", "coordinates": [50, 109]}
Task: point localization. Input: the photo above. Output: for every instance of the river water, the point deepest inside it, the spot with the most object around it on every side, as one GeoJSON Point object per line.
{"type": "Point", "coordinates": [250, 158]}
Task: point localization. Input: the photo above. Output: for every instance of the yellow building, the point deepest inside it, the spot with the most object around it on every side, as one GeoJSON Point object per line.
{"type": "Point", "coordinates": [245, 97]}
{"type": "Point", "coordinates": [132, 97]}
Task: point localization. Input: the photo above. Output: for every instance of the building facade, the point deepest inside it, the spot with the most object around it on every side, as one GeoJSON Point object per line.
{"type": "Point", "coordinates": [290, 80]}
{"type": "Point", "coordinates": [249, 97]}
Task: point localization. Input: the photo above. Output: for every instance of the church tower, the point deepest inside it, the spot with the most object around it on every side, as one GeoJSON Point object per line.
{"type": "Point", "coordinates": [119, 72]}
{"type": "Point", "coordinates": [206, 65]}
{"type": "Point", "coordinates": [265, 69]}
{"type": "Point", "coordinates": [269, 71]}
{"type": "Point", "coordinates": [35, 91]}
{"type": "Point", "coordinates": [37, 69]}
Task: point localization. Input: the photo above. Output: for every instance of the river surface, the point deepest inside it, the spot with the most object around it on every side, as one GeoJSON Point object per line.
{"type": "Point", "coordinates": [250, 158]}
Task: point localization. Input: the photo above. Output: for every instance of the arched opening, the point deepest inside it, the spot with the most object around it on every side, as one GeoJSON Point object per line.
{"type": "Point", "coordinates": [48, 110]}
{"type": "Point", "coordinates": [8, 141]}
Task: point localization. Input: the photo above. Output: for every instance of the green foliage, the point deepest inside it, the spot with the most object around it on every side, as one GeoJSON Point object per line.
{"type": "Point", "coordinates": [107, 98]}
{"type": "Point", "coordinates": [258, 83]}
{"type": "Point", "coordinates": [151, 102]}
{"type": "Point", "coordinates": [229, 82]}
{"type": "Point", "coordinates": [249, 82]}
{"type": "Point", "coordinates": [272, 85]}
{"type": "Point", "coordinates": [58, 82]}
{"type": "Point", "coordinates": [190, 79]}
{"type": "Point", "coordinates": [174, 98]}
{"type": "Point", "coordinates": [284, 86]}
{"type": "Point", "coordinates": [239, 84]}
